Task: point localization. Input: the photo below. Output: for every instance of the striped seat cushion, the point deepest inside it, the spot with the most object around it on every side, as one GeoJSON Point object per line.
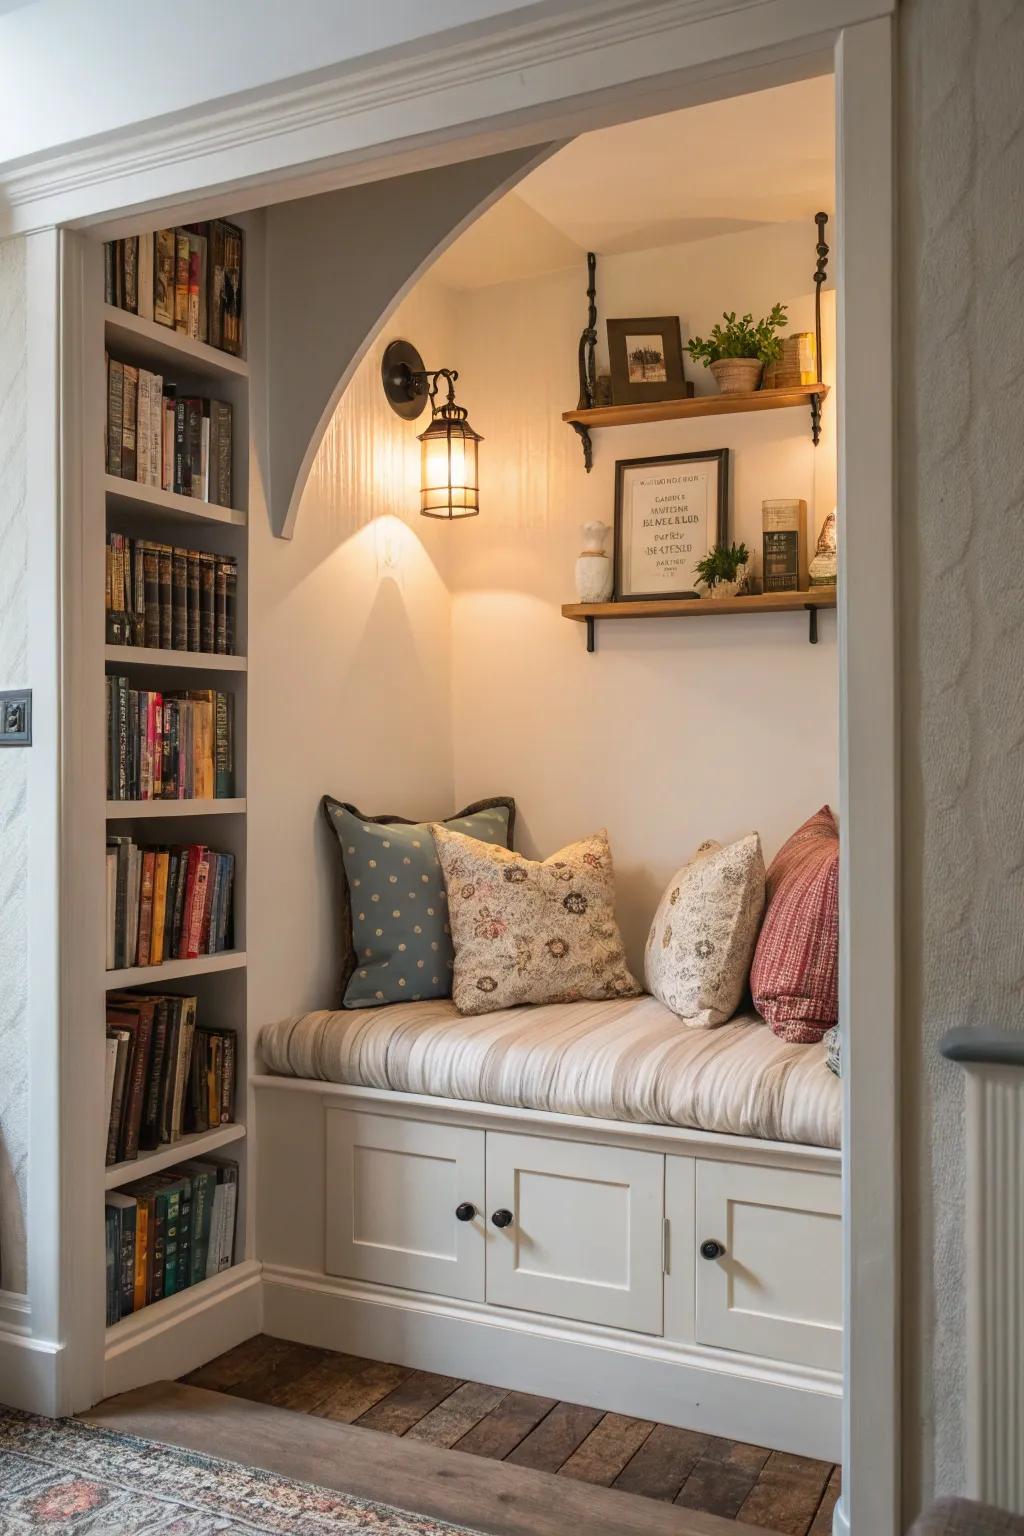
{"type": "Point", "coordinates": [621, 1059]}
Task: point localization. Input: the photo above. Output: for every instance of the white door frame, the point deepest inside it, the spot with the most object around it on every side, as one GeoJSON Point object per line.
{"type": "Point", "coordinates": [556, 83]}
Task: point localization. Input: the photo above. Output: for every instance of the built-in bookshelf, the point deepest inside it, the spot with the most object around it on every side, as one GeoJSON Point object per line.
{"type": "Point", "coordinates": [173, 686]}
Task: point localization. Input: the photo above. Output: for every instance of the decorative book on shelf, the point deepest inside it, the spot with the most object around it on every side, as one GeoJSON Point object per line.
{"type": "Point", "coordinates": [171, 442]}
{"type": "Point", "coordinates": [168, 1232]}
{"type": "Point", "coordinates": [169, 746]}
{"type": "Point", "coordinates": [166, 903]}
{"type": "Point", "coordinates": [188, 279]}
{"type": "Point", "coordinates": [167, 1076]}
{"type": "Point", "coordinates": [169, 598]}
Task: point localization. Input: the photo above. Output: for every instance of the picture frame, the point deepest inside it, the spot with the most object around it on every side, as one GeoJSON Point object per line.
{"type": "Point", "coordinates": [670, 511]}
{"type": "Point", "coordinates": [646, 360]}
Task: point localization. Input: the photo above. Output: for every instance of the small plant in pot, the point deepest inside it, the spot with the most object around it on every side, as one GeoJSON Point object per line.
{"type": "Point", "coordinates": [724, 570]}
{"type": "Point", "coordinates": [739, 351]}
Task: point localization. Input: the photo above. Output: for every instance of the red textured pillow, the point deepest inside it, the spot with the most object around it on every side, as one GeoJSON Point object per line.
{"type": "Point", "coordinates": [794, 979]}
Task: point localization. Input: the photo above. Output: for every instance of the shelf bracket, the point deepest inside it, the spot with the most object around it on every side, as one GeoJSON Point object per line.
{"type": "Point", "coordinates": [815, 419]}
{"type": "Point", "coordinates": [820, 267]}
{"type": "Point", "coordinates": [587, 363]}
{"type": "Point", "coordinates": [591, 643]}
{"type": "Point", "coordinates": [812, 627]}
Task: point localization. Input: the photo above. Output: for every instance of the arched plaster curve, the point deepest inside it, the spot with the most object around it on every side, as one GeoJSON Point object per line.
{"type": "Point", "coordinates": [337, 267]}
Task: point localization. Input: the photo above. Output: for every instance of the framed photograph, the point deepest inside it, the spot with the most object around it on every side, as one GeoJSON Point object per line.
{"type": "Point", "coordinates": [646, 359]}
{"type": "Point", "coordinates": [670, 512]}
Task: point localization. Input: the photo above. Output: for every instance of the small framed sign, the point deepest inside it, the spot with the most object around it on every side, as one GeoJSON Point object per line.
{"type": "Point", "coordinates": [670, 512]}
{"type": "Point", "coordinates": [646, 358]}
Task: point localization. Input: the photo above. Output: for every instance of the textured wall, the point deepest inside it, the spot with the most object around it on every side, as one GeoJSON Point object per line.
{"type": "Point", "coordinates": [961, 452]}
{"type": "Point", "coordinates": [13, 806]}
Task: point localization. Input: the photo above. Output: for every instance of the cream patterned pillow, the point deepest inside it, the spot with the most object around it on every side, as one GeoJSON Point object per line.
{"type": "Point", "coordinates": [704, 932]}
{"type": "Point", "coordinates": [525, 932]}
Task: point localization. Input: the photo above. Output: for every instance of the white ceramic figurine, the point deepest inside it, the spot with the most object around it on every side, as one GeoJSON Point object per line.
{"type": "Point", "coordinates": [593, 567]}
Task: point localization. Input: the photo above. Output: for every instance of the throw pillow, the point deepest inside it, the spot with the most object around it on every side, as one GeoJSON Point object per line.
{"type": "Point", "coordinates": [527, 932]}
{"type": "Point", "coordinates": [702, 939]}
{"type": "Point", "coordinates": [832, 1041]}
{"type": "Point", "coordinates": [395, 943]}
{"type": "Point", "coordinates": [795, 975]}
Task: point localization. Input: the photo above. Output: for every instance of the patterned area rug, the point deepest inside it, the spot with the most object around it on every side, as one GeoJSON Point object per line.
{"type": "Point", "coordinates": [57, 1475]}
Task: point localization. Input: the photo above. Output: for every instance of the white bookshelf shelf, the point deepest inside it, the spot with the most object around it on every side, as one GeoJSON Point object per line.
{"type": "Point", "coordinates": [130, 496]}
{"type": "Point", "coordinates": [175, 970]}
{"type": "Point", "coordinates": [157, 810]}
{"type": "Point", "coordinates": [147, 342]}
{"type": "Point", "coordinates": [195, 1145]}
{"type": "Point", "coordinates": [150, 656]}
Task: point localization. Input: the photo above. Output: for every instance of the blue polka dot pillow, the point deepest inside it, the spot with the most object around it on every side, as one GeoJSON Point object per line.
{"type": "Point", "coordinates": [396, 942]}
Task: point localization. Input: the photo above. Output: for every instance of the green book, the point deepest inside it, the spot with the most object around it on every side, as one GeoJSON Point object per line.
{"type": "Point", "coordinates": [204, 1185]}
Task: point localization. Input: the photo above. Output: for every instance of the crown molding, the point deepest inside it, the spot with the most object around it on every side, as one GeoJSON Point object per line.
{"type": "Point", "coordinates": [509, 68]}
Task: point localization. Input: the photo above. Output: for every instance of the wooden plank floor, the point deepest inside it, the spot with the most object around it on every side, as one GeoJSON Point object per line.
{"type": "Point", "coordinates": [747, 1483]}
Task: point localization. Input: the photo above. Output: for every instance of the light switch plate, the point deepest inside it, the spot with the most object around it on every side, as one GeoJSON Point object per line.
{"type": "Point", "coordinates": [16, 717]}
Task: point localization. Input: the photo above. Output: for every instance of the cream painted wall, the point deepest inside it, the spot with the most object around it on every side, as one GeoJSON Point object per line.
{"type": "Point", "coordinates": [672, 732]}
{"type": "Point", "coordinates": [14, 821]}
{"type": "Point", "coordinates": [349, 673]}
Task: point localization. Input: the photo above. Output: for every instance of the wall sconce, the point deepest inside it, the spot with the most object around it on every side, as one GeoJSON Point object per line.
{"type": "Point", "coordinates": [449, 479]}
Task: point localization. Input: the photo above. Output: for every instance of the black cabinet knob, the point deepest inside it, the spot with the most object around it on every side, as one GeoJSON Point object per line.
{"type": "Point", "coordinates": [465, 1211]}
{"type": "Point", "coordinates": [502, 1218]}
{"type": "Point", "coordinates": [711, 1248]}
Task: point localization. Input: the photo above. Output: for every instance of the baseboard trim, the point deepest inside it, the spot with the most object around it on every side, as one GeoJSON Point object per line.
{"type": "Point", "coordinates": [30, 1371]}
{"type": "Point", "coordinates": [15, 1313]}
{"type": "Point", "coordinates": [785, 1407]}
{"type": "Point", "coordinates": [172, 1337]}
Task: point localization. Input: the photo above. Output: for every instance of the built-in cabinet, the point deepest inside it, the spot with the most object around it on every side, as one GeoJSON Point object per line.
{"type": "Point", "coordinates": [709, 1251]}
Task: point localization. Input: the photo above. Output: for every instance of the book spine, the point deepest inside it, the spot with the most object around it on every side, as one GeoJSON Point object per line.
{"type": "Point", "coordinates": [150, 557]}
{"type": "Point", "coordinates": [143, 432]}
{"type": "Point", "coordinates": [220, 607]}
{"type": "Point", "coordinates": [197, 905]}
{"type": "Point", "coordinates": [112, 1235]}
{"type": "Point", "coordinates": [121, 767]}
{"type": "Point", "coordinates": [227, 1079]}
{"type": "Point", "coordinates": [194, 266]}
{"type": "Point", "coordinates": [130, 248]}
{"type": "Point", "coordinates": [164, 595]}
{"type": "Point", "coordinates": [222, 451]}
{"type": "Point", "coordinates": [156, 432]}
{"type": "Point", "coordinates": [117, 1097]}
{"type": "Point", "coordinates": [194, 626]}
{"type": "Point", "coordinates": [231, 608]}
{"type": "Point", "coordinates": [194, 447]}
{"type": "Point", "coordinates": [224, 922]}
{"type": "Point", "coordinates": [167, 449]}
{"type": "Point", "coordinates": [159, 1247]}
{"type": "Point", "coordinates": [109, 258]}
{"type": "Point", "coordinates": [149, 1129]}
{"type": "Point", "coordinates": [141, 1253]}
{"type": "Point", "coordinates": [182, 262]}
{"type": "Point", "coordinates": [129, 421]}
{"type": "Point", "coordinates": [183, 1276]}
{"type": "Point", "coordinates": [179, 600]}
{"type": "Point", "coordinates": [182, 463]}
{"type": "Point", "coordinates": [127, 1214]}
{"type": "Point", "coordinates": [204, 1184]}
{"type": "Point", "coordinates": [115, 415]}
{"type": "Point", "coordinates": [227, 1242]}
{"type": "Point", "coordinates": [146, 907]}
{"type": "Point", "coordinates": [223, 787]}
{"type": "Point", "coordinates": [207, 602]}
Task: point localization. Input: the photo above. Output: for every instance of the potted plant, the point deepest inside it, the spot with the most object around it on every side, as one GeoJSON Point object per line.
{"type": "Point", "coordinates": [724, 570]}
{"type": "Point", "coordinates": [738, 351]}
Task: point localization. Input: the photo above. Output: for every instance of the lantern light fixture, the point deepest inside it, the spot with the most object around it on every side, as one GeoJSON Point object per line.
{"type": "Point", "coordinates": [449, 478]}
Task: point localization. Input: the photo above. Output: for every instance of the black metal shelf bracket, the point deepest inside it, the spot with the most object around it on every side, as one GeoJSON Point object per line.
{"type": "Point", "coordinates": [821, 266]}
{"type": "Point", "coordinates": [812, 627]}
{"type": "Point", "coordinates": [587, 361]}
{"type": "Point", "coordinates": [591, 640]}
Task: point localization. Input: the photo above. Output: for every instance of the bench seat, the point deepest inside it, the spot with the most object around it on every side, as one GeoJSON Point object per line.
{"type": "Point", "coordinates": [624, 1059]}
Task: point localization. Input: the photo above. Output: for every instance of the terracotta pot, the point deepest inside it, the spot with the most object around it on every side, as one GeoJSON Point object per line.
{"type": "Point", "coordinates": [733, 374]}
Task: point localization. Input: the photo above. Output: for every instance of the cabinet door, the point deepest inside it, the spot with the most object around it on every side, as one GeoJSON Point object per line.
{"type": "Point", "coordinates": [393, 1187]}
{"type": "Point", "coordinates": [776, 1289]}
{"type": "Point", "coordinates": [585, 1239]}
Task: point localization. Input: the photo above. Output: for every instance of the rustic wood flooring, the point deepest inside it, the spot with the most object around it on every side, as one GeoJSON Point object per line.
{"type": "Point", "coordinates": [769, 1490]}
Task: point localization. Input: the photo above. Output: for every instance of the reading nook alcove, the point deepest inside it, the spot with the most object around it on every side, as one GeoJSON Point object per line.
{"type": "Point", "coordinates": [362, 1091]}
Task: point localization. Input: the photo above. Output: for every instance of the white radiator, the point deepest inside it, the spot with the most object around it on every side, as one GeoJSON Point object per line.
{"type": "Point", "coordinates": [994, 1235]}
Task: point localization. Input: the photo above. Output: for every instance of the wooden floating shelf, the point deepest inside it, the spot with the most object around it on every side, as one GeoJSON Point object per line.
{"type": "Point", "coordinates": [704, 607]}
{"type": "Point", "coordinates": [195, 1145]}
{"type": "Point", "coordinates": [175, 970]}
{"type": "Point", "coordinates": [151, 343]}
{"type": "Point", "coordinates": [697, 405]}
{"type": "Point", "coordinates": [130, 810]}
{"type": "Point", "coordinates": [130, 496]}
{"type": "Point", "coordinates": [151, 656]}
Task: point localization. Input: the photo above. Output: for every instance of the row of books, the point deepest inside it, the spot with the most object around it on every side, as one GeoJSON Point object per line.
{"type": "Point", "coordinates": [169, 746]}
{"type": "Point", "coordinates": [166, 1075]}
{"type": "Point", "coordinates": [188, 279]}
{"type": "Point", "coordinates": [170, 598]}
{"type": "Point", "coordinates": [173, 442]}
{"type": "Point", "coordinates": [168, 1232]}
{"type": "Point", "coordinates": [166, 903]}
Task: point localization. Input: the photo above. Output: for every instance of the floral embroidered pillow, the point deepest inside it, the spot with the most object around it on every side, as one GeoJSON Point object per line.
{"type": "Point", "coordinates": [704, 933]}
{"type": "Point", "coordinates": [526, 932]}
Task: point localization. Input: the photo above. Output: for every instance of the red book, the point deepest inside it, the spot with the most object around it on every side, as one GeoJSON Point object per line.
{"type": "Point", "coordinates": [146, 907]}
{"type": "Point", "coordinates": [195, 908]}
{"type": "Point", "coordinates": [192, 855]}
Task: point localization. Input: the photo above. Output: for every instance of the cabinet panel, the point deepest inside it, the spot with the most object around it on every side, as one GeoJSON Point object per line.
{"type": "Point", "coordinates": [776, 1290]}
{"type": "Point", "coordinates": [585, 1240]}
{"type": "Point", "coordinates": [393, 1187]}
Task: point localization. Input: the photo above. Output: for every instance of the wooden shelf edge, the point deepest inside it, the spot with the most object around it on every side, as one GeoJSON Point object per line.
{"type": "Point", "coordinates": [669, 608]}
{"type": "Point", "coordinates": [193, 1145]}
{"type": "Point", "coordinates": [174, 970]}
{"type": "Point", "coordinates": [696, 405]}
{"type": "Point", "coordinates": [130, 810]}
{"type": "Point", "coordinates": [153, 656]}
{"type": "Point", "coordinates": [138, 1327]}
{"type": "Point", "coordinates": [140, 331]}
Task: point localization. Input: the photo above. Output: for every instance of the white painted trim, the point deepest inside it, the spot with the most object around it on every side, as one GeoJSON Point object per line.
{"type": "Point", "coordinates": [868, 777]}
{"type": "Point", "coordinates": [716, 1391]}
{"type": "Point", "coordinates": [15, 1313]}
{"type": "Point", "coordinates": [30, 1371]}
{"type": "Point", "coordinates": [486, 76]}
{"type": "Point", "coordinates": [174, 1336]}
{"type": "Point", "coordinates": [537, 1122]}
